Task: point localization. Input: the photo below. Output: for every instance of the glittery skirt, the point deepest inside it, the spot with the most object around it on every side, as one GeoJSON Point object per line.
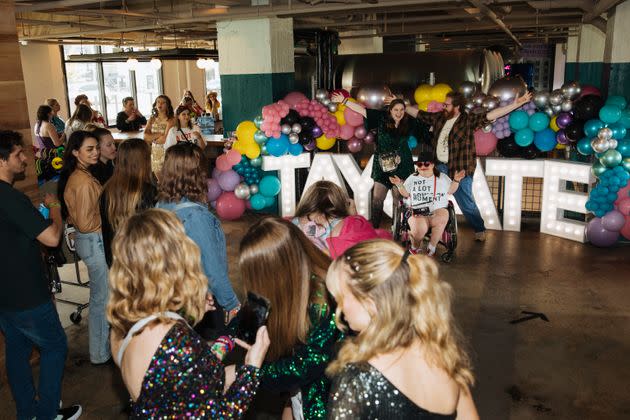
{"type": "Point", "coordinates": [157, 158]}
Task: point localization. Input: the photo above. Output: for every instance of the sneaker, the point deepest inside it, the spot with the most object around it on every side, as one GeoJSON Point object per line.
{"type": "Point", "coordinates": [69, 413]}
{"type": "Point", "coordinates": [480, 236]}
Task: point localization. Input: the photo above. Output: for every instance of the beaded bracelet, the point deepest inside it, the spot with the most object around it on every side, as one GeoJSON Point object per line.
{"type": "Point", "coordinates": [222, 346]}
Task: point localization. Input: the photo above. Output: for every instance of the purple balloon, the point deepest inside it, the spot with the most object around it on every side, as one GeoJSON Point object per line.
{"type": "Point", "coordinates": [214, 189]}
{"type": "Point", "coordinates": [310, 146]}
{"type": "Point", "coordinates": [355, 145]}
{"type": "Point", "coordinates": [360, 132]}
{"type": "Point", "coordinates": [600, 236]}
{"type": "Point", "coordinates": [216, 173]}
{"type": "Point", "coordinates": [564, 119]}
{"type": "Point", "coordinates": [369, 138]}
{"type": "Point", "coordinates": [613, 221]}
{"type": "Point", "coordinates": [561, 137]}
{"type": "Point", "coordinates": [317, 131]}
{"type": "Point", "coordinates": [228, 180]}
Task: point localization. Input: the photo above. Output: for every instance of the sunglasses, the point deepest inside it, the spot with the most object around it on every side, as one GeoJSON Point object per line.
{"type": "Point", "coordinates": [426, 164]}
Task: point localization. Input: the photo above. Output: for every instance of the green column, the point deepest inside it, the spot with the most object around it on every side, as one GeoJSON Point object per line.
{"type": "Point", "coordinates": [617, 51]}
{"type": "Point", "coordinates": [585, 57]}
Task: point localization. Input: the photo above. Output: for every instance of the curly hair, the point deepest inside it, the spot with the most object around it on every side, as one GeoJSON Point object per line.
{"type": "Point", "coordinates": [157, 268]}
{"type": "Point", "coordinates": [414, 306]}
{"type": "Point", "coordinates": [169, 107]}
{"type": "Point", "coordinates": [183, 174]}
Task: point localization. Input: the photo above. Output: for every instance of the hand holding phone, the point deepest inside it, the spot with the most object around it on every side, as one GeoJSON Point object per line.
{"type": "Point", "coordinates": [251, 317]}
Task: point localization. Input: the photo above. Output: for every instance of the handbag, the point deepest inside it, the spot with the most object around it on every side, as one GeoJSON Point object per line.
{"type": "Point", "coordinates": [52, 274]}
{"type": "Point", "coordinates": [389, 161]}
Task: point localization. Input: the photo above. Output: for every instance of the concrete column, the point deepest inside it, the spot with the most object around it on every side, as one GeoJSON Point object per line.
{"type": "Point", "coordinates": [617, 51]}
{"type": "Point", "coordinates": [585, 56]}
{"type": "Point", "coordinates": [13, 105]}
{"type": "Point", "coordinates": [256, 62]}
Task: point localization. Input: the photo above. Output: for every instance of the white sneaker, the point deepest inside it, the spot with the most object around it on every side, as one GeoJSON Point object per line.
{"type": "Point", "coordinates": [69, 413]}
{"type": "Point", "coordinates": [480, 236]}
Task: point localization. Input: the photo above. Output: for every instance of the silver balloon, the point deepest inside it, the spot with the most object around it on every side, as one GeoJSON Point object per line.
{"type": "Point", "coordinates": [332, 107]}
{"type": "Point", "coordinates": [541, 99]}
{"type": "Point", "coordinates": [571, 90]}
{"type": "Point", "coordinates": [294, 138]}
{"type": "Point", "coordinates": [373, 97]}
{"type": "Point", "coordinates": [242, 191]}
{"type": "Point", "coordinates": [253, 189]}
{"type": "Point", "coordinates": [285, 128]}
{"type": "Point", "coordinates": [487, 128]}
{"type": "Point", "coordinates": [325, 102]}
{"type": "Point", "coordinates": [321, 94]}
{"type": "Point", "coordinates": [613, 143]}
{"type": "Point", "coordinates": [556, 108]}
{"type": "Point", "coordinates": [507, 88]}
{"type": "Point", "coordinates": [296, 128]}
{"type": "Point", "coordinates": [478, 99]}
{"type": "Point", "coordinates": [566, 105]}
{"type": "Point", "coordinates": [556, 97]}
{"type": "Point", "coordinates": [605, 133]}
{"type": "Point", "coordinates": [549, 112]}
{"type": "Point", "coordinates": [469, 105]}
{"type": "Point", "coordinates": [490, 103]}
{"type": "Point", "coordinates": [600, 145]}
{"type": "Point", "coordinates": [467, 89]}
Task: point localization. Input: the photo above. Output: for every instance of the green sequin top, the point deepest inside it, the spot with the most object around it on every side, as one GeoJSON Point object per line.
{"type": "Point", "coordinates": [388, 142]}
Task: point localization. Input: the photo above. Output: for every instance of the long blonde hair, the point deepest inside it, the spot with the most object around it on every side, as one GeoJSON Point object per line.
{"type": "Point", "coordinates": [157, 268]}
{"type": "Point", "coordinates": [132, 174]}
{"type": "Point", "coordinates": [412, 303]}
{"type": "Point", "coordinates": [280, 263]}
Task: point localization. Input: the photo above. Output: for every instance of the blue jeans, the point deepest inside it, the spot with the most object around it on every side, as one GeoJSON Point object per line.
{"type": "Point", "coordinates": [90, 248]}
{"type": "Point", "coordinates": [37, 327]}
{"type": "Point", "coordinates": [466, 201]}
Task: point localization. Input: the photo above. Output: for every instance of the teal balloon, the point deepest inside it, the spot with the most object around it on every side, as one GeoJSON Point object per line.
{"type": "Point", "coordinates": [625, 118]}
{"type": "Point", "coordinates": [263, 150]}
{"type": "Point", "coordinates": [584, 146]}
{"type": "Point", "coordinates": [545, 140]}
{"type": "Point", "coordinates": [619, 131]}
{"type": "Point", "coordinates": [256, 162]}
{"type": "Point", "coordinates": [412, 142]}
{"type": "Point", "coordinates": [269, 186]}
{"type": "Point", "coordinates": [259, 137]}
{"type": "Point", "coordinates": [610, 114]}
{"type": "Point", "coordinates": [618, 101]}
{"type": "Point", "coordinates": [592, 127]}
{"type": "Point", "coordinates": [518, 120]}
{"type": "Point", "coordinates": [598, 169]}
{"type": "Point", "coordinates": [278, 146]}
{"type": "Point", "coordinates": [258, 121]}
{"type": "Point", "coordinates": [296, 149]}
{"type": "Point", "coordinates": [524, 137]}
{"type": "Point", "coordinates": [257, 201]}
{"type": "Point", "coordinates": [623, 147]}
{"type": "Point", "coordinates": [626, 163]}
{"type": "Point", "coordinates": [538, 121]}
{"type": "Point", "coordinates": [270, 201]}
{"type": "Point", "coordinates": [611, 158]}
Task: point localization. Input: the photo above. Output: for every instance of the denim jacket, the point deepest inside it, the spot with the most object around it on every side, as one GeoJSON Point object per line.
{"type": "Point", "coordinates": [206, 231]}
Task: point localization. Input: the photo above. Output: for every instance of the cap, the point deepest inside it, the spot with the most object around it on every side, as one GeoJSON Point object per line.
{"type": "Point", "coordinates": [426, 157]}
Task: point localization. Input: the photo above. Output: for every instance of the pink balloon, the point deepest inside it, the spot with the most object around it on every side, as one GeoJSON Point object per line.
{"type": "Point", "coordinates": [485, 143]}
{"type": "Point", "coordinates": [233, 157]}
{"type": "Point", "coordinates": [623, 193]}
{"type": "Point", "coordinates": [625, 230]}
{"type": "Point", "coordinates": [229, 207]}
{"type": "Point", "coordinates": [355, 145]}
{"type": "Point", "coordinates": [360, 132]}
{"type": "Point", "coordinates": [590, 90]}
{"type": "Point", "coordinates": [293, 98]}
{"type": "Point", "coordinates": [214, 190]}
{"type": "Point", "coordinates": [624, 206]}
{"type": "Point", "coordinates": [346, 132]}
{"type": "Point", "coordinates": [229, 180]}
{"type": "Point", "coordinates": [223, 164]}
{"type": "Point", "coordinates": [352, 118]}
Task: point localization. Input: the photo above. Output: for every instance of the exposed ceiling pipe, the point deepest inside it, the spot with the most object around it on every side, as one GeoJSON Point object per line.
{"type": "Point", "coordinates": [493, 17]}
{"type": "Point", "coordinates": [602, 6]}
{"type": "Point", "coordinates": [50, 5]}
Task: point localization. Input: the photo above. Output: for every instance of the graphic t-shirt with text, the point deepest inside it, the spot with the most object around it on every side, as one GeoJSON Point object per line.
{"type": "Point", "coordinates": [176, 135]}
{"type": "Point", "coordinates": [428, 192]}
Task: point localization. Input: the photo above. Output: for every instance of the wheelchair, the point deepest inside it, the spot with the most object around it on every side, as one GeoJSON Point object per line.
{"type": "Point", "coordinates": [75, 317]}
{"type": "Point", "coordinates": [400, 230]}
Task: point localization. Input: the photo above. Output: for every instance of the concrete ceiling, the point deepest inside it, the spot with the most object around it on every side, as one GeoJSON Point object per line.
{"type": "Point", "coordinates": [192, 23]}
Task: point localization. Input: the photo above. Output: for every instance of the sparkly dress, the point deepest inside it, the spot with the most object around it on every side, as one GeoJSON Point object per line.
{"type": "Point", "coordinates": [360, 391]}
{"type": "Point", "coordinates": [185, 380]}
{"type": "Point", "coordinates": [157, 150]}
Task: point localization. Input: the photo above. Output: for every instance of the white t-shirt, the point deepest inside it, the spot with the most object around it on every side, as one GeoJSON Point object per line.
{"type": "Point", "coordinates": [442, 143]}
{"type": "Point", "coordinates": [428, 192]}
{"type": "Point", "coordinates": [175, 135]}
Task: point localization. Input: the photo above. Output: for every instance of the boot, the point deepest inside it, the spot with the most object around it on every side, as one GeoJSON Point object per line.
{"type": "Point", "coordinates": [377, 215]}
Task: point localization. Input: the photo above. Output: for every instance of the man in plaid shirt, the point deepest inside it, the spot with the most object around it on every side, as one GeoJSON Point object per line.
{"type": "Point", "coordinates": [454, 146]}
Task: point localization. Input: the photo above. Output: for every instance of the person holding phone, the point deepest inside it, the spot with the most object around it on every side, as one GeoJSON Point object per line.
{"type": "Point", "coordinates": [427, 191]}
{"type": "Point", "coordinates": [130, 118]}
{"type": "Point", "coordinates": [184, 130]}
{"type": "Point", "coordinates": [168, 369]}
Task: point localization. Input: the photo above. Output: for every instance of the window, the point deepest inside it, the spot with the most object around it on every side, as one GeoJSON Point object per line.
{"type": "Point", "coordinates": [107, 83]}
{"type": "Point", "coordinates": [213, 83]}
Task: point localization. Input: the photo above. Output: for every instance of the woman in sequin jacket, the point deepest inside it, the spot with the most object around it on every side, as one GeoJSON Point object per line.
{"type": "Point", "coordinates": [279, 262]}
{"type": "Point", "coordinates": [157, 286]}
{"type": "Point", "coordinates": [407, 360]}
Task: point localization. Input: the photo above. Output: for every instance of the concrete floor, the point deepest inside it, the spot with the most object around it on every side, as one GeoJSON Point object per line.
{"type": "Point", "coordinates": [573, 367]}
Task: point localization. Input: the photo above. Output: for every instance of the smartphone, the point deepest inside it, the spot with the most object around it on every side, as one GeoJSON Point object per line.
{"type": "Point", "coordinates": [252, 316]}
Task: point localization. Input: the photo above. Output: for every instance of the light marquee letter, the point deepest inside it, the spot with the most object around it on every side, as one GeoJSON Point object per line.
{"type": "Point", "coordinates": [484, 200]}
{"type": "Point", "coordinates": [360, 183]}
{"type": "Point", "coordinates": [286, 165]}
{"type": "Point", "coordinates": [323, 168]}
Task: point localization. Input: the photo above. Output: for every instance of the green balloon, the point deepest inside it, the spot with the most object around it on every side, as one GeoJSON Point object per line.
{"type": "Point", "coordinates": [257, 121]}
{"type": "Point", "coordinates": [263, 150]}
{"type": "Point", "coordinates": [598, 169]}
{"type": "Point", "coordinates": [626, 163]}
{"type": "Point", "coordinates": [611, 158]}
{"type": "Point", "coordinates": [256, 162]}
{"type": "Point", "coordinates": [259, 137]}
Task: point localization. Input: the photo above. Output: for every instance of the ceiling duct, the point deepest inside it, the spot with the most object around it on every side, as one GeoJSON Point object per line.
{"type": "Point", "coordinates": [171, 54]}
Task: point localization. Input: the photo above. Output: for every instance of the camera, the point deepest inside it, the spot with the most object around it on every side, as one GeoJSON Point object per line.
{"type": "Point", "coordinates": [421, 211]}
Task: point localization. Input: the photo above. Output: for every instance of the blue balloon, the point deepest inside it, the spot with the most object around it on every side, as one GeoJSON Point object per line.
{"type": "Point", "coordinates": [610, 114]}
{"type": "Point", "coordinates": [257, 201]}
{"type": "Point", "coordinates": [278, 146]}
{"type": "Point", "coordinates": [618, 101]}
{"type": "Point", "coordinates": [296, 149]}
{"type": "Point", "coordinates": [412, 142]}
{"type": "Point", "coordinates": [592, 127]}
{"type": "Point", "coordinates": [269, 186]}
{"type": "Point", "coordinates": [539, 121]}
{"type": "Point", "coordinates": [524, 137]}
{"type": "Point", "coordinates": [518, 120]}
{"type": "Point", "coordinates": [545, 140]}
{"type": "Point", "coordinates": [619, 131]}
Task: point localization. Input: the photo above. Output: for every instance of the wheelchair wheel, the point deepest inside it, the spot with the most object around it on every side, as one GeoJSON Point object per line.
{"type": "Point", "coordinates": [75, 317]}
{"type": "Point", "coordinates": [447, 257]}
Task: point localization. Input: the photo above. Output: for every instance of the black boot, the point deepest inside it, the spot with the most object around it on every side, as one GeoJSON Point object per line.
{"type": "Point", "coordinates": [377, 215]}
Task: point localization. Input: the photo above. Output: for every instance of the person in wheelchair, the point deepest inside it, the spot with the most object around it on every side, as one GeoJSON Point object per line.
{"type": "Point", "coordinates": [426, 191]}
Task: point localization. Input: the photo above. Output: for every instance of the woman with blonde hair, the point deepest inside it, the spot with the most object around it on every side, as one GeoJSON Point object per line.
{"type": "Point", "coordinates": [128, 191]}
{"type": "Point", "coordinates": [157, 287]}
{"type": "Point", "coordinates": [81, 117]}
{"type": "Point", "coordinates": [278, 262]}
{"type": "Point", "coordinates": [407, 360]}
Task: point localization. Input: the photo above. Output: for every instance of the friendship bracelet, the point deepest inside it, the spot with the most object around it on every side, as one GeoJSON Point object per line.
{"type": "Point", "coordinates": [54, 204]}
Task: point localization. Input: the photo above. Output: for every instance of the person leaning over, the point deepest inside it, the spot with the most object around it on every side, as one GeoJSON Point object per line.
{"type": "Point", "coordinates": [130, 118]}
{"type": "Point", "coordinates": [454, 145]}
{"type": "Point", "coordinates": [28, 317]}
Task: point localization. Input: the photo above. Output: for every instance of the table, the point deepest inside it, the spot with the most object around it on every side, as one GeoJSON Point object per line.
{"type": "Point", "coordinates": [214, 140]}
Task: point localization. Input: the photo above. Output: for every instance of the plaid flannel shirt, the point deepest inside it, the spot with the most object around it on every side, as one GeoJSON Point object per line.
{"type": "Point", "coordinates": [461, 140]}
